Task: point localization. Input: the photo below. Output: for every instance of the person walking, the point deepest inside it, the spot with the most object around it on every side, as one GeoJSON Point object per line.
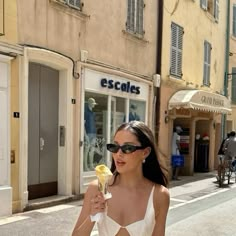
{"type": "Point", "coordinates": [140, 198]}
{"type": "Point", "coordinates": [176, 150]}
{"type": "Point", "coordinates": [230, 146]}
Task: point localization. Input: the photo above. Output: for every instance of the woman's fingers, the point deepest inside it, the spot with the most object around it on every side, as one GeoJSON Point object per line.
{"type": "Point", "coordinates": [98, 204]}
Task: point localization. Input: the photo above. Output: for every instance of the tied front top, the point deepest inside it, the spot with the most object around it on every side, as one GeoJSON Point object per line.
{"type": "Point", "coordinates": [108, 227]}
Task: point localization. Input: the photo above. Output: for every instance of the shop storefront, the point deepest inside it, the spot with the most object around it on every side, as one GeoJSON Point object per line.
{"type": "Point", "coordinates": [107, 101]}
{"type": "Point", "coordinates": [199, 114]}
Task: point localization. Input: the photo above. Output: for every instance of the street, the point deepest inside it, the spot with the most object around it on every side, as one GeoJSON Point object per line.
{"type": "Point", "coordinates": [198, 207]}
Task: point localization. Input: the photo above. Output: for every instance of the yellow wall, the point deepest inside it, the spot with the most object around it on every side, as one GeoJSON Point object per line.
{"type": "Point", "coordinates": [9, 37]}
{"type": "Point", "coordinates": [198, 26]}
{"type": "Point", "coordinates": [10, 21]}
{"type": "Point", "coordinates": [15, 133]}
{"type": "Point", "coordinates": [231, 124]}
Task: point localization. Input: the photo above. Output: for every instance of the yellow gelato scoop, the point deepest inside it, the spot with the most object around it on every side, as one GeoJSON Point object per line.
{"type": "Point", "coordinates": [103, 174]}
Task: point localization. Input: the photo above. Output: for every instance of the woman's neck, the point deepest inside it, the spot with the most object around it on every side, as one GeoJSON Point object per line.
{"type": "Point", "coordinates": [131, 180]}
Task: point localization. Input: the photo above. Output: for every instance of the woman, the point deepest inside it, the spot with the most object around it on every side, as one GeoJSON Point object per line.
{"type": "Point", "coordinates": [140, 199]}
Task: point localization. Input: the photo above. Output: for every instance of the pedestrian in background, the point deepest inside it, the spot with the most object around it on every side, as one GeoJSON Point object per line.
{"type": "Point", "coordinates": [221, 149]}
{"type": "Point", "coordinates": [229, 146]}
{"type": "Point", "coordinates": [140, 198]}
{"type": "Point", "coordinates": [176, 151]}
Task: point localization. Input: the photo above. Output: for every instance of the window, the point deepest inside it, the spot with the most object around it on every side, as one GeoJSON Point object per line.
{"type": "Point", "coordinates": [207, 63]}
{"type": "Point", "coordinates": [233, 89]}
{"type": "Point", "coordinates": [216, 10]}
{"type": "Point", "coordinates": [203, 4]}
{"type": "Point", "coordinates": [134, 22]}
{"type": "Point", "coordinates": [234, 20]}
{"type": "Point", "coordinates": [74, 3]}
{"type": "Point", "coordinates": [176, 50]}
{"type": "Point", "coordinates": [212, 7]}
{"type": "Point", "coordinates": [2, 17]}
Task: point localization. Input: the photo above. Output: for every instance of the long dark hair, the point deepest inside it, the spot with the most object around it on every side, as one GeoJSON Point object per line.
{"type": "Point", "coordinates": [152, 169]}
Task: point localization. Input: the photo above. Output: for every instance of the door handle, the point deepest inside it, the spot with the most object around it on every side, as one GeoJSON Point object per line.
{"type": "Point", "coordinates": [41, 144]}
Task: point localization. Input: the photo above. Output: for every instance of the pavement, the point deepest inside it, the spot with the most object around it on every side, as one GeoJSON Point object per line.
{"type": "Point", "coordinates": [185, 185]}
{"type": "Point", "coordinates": [190, 188]}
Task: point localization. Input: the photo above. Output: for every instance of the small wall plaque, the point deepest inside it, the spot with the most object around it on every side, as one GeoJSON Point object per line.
{"type": "Point", "coordinates": [16, 114]}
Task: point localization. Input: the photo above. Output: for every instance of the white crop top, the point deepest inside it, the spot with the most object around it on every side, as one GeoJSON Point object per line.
{"type": "Point", "coordinates": [108, 227]}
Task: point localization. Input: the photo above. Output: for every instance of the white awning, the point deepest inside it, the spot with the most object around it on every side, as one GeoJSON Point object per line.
{"type": "Point", "coordinates": [200, 100]}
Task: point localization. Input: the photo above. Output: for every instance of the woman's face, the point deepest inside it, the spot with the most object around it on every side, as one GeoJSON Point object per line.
{"type": "Point", "coordinates": [128, 162]}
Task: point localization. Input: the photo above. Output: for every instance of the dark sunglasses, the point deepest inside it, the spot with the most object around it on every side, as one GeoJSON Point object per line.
{"type": "Point", "coordinates": [126, 148]}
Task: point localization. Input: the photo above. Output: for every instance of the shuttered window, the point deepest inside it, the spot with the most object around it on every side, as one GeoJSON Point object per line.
{"type": "Point", "coordinates": [203, 4]}
{"type": "Point", "coordinates": [216, 10]}
{"type": "Point", "coordinates": [134, 22]}
{"type": "Point", "coordinates": [176, 50]}
{"type": "Point", "coordinates": [207, 63]}
{"type": "Point", "coordinates": [234, 20]}
{"type": "Point", "coordinates": [233, 89]}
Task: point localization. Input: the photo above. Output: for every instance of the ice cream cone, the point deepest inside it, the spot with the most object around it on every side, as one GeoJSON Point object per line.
{"type": "Point", "coordinates": [103, 174]}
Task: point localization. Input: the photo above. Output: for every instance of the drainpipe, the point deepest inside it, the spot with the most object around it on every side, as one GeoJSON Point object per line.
{"type": "Point", "coordinates": [224, 118]}
{"type": "Point", "coordinates": [158, 64]}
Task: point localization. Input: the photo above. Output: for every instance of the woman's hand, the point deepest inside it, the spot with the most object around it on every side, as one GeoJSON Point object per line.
{"type": "Point", "coordinates": [98, 204]}
{"type": "Point", "coordinates": [94, 203]}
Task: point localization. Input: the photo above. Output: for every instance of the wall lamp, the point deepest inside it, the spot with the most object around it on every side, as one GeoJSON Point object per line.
{"type": "Point", "coordinates": [167, 118]}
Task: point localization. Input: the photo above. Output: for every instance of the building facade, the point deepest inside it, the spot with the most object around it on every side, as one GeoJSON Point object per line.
{"type": "Point", "coordinates": [231, 72]}
{"type": "Point", "coordinates": [84, 70]}
{"type": "Point", "coordinates": [10, 53]}
{"type": "Point", "coordinates": [192, 84]}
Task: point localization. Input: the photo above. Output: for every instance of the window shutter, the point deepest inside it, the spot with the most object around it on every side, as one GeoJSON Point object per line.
{"type": "Point", "coordinates": [130, 15]}
{"type": "Point", "coordinates": [139, 17]}
{"type": "Point", "coordinates": [233, 89]}
{"type": "Point", "coordinates": [216, 10]}
{"type": "Point", "coordinates": [207, 62]}
{"type": "Point", "coordinates": [204, 4]}
{"type": "Point", "coordinates": [176, 50]}
{"type": "Point", "coordinates": [234, 20]}
{"type": "Point", "coordinates": [134, 21]}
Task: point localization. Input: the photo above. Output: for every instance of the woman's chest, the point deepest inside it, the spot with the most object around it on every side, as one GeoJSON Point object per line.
{"type": "Point", "coordinates": [127, 210]}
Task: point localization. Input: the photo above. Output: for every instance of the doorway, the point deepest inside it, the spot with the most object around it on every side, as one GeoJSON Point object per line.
{"type": "Point", "coordinates": [43, 102]}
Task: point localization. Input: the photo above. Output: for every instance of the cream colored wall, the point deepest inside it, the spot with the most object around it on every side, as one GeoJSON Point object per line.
{"type": "Point", "coordinates": [198, 26]}
{"type": "Point", "coordinates": [232, 63]}
{"type": "Point", "coordinates": [99, 30]}
{"type": "Point", "coordinates": [10, 21]}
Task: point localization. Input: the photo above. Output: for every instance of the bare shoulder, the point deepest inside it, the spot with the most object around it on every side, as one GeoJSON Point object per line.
{"type": "Point", "coordinates": [161, 196]}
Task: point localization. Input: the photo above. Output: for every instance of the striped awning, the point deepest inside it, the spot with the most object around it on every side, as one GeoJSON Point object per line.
{"type": "Point", "coordinates": [200, 100]}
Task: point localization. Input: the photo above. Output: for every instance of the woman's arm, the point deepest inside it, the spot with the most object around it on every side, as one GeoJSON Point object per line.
{"type": "Point", "coordinates": [93, 203]}
{"type": "Point", "coordinates": [161, 205]}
